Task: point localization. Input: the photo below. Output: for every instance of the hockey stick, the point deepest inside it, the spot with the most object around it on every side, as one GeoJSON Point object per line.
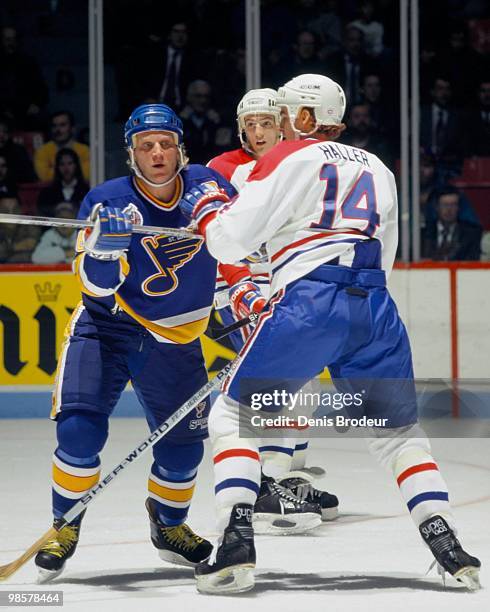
{"type": "Point", "coordinates": [216, 333]}
{"type": "Point", "coordinates": [79, 224]}
{"type": "Point", "coordinates": [7, 570]}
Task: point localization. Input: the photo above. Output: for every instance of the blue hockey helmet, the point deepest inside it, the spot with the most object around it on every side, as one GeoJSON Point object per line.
{"type": "Point", "coordinates": [151, 118]}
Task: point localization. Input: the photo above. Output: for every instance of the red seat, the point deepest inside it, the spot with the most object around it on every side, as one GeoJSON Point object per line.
{"type": "Point", "coordinates": [30, 140]}
{"type": "Point", "coordinates": [476, 170]}
{"type": "Point", "coordinates": [475, 183]}
{"type": "Point", "coordinates": [480, 35]}
{"type": "Point", "coordinates": [28, 194]}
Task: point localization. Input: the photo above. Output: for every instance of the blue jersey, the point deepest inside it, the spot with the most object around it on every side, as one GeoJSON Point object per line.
{"type": "Point", "coordinates": [164, 283]}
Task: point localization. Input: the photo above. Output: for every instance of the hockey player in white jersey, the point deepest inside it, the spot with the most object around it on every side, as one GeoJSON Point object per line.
{"type": "Point", "coordinates": [328, 215]}
{"type": "Point", "coordinates": [242, 289]}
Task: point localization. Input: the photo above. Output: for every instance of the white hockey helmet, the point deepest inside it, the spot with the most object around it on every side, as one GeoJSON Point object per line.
{"type": "Point", "coordinates": [315, 91]}
{"type": "Point", "coordinates": [257, 102]}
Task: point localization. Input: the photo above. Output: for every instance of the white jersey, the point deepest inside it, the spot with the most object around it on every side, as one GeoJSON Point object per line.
{"type": "Point", "coordinates": [311, 202]}
{"type": "Point", "coordinates": [236, 167]}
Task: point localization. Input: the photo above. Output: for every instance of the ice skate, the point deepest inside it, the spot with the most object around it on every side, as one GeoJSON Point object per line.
{"type": "Point", "coordinates": [277, 510]}
{"type": "Point", "coordinates": [52, 557]}
{"type": "Point", "coordinates": [449, 554]}
{"type": "Point", "coordinates": [179, 544]}
{"type": "Point", "coordinates": [230, 569]}
{"type": "Point", "coordinates": [302, 487]}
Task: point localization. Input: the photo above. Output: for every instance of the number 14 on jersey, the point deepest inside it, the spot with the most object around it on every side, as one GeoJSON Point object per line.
{"type": "Point", "coordinates": [359, 204]}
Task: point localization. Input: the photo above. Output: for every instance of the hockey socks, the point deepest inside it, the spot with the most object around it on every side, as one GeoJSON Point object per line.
{"type": "Point", "coordinates": [171, 493]}
{"type": "Point", "coordinates": [421, 485]}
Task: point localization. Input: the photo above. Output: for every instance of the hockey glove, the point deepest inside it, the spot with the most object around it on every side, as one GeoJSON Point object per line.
{"type": "Point", "coordinates": [201, 204]}
{"type": "Point", "coordinates": [111, 234]}
{"type": "Point", "coordinates": [245, 298]}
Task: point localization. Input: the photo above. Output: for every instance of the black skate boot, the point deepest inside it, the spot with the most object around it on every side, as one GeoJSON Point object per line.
{"type": "Point", "coordinates": [52, 557]}
{"type": "Point", "coordinates": [179, 544]}
{"type": "Point", "coordinates": [279, 511]}
{"type": "Point", "coordinates": [230, 570]}
{"type": "Point", "coordinates": [302, 488]}
{"type": "Point", "coordinates": [448, 552]}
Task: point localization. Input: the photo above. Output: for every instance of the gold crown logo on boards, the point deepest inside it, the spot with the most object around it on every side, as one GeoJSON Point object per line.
{"type": "Point", "coordinates": [47, 293]}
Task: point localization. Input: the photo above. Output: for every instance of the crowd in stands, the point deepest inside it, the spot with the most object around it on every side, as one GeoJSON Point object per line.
{"type": "Point", "coordinates": [190, 54]}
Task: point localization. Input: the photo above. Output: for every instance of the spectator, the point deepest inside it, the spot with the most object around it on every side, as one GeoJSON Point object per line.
{"type": "Point", "coordinates": [442, 131]}
{"type": "Point", "coordinates": [302, 60]}
{"type": "Point", "coordinates": [57, 244]}
{"type": "Point", "coordinates": [230, 69]}
{"type": "Point", "coordinates": [429, 187]}
{"type": "Point", "coordinates": [382, 117]}
{"type": "Point", "coordinates": [7, 185]}
{"type": "Point", "coordinates": [479, 123]}
{"type": "Point", "coordinates": [63, 136]}
{"type": "Point", "coordinates": [201, 123]}
{"type": "Point", "coordinates": [172, 67]}
{"type": "Point", "coordinates": [348, 66]}
{"type": "Point", "coordinates": [18, 160]}
{"type": "Point", "coordinates": [361, 135]}
{"type": "Point", "coordinates": [23, 91]}
{"type": "Point", "coordinates": [463, 66]}
{"type": "Point", "coordinates": [431, 183]}
{"type": "Point", "coordinates": [428, 62]}
{"type": "Point", "coordinates": [449, 239]}
{"type": "Point", "coordinates": [16, 241]}
{"type": "Point", "coordinates": [68, 184]}
{"type": "Point", "coordinates": [373, 30]}
{"type": "Point", "coordinates": [279, 25]}
{"type": "Point", "coordinates": [327, 27]}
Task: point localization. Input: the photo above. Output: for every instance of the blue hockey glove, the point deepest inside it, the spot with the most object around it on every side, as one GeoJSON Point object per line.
{"type": "Point", "coordinates": [111, 234]}
{"type": "Point", "coordinates": [201, 204]}
{"type": "Point", "coordinates": [245, 298]}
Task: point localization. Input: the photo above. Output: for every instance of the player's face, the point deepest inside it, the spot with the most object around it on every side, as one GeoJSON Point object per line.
{"type": "Point", "coordinates": [262, 133]}
{"type": "Point", "coordinates": [156, 155]}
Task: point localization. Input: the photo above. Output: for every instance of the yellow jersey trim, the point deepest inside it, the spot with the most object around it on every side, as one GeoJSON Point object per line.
{"type": "Point", "coordinates": [180, 334]}
{"type": "Point", "coordinates": [140, 186]}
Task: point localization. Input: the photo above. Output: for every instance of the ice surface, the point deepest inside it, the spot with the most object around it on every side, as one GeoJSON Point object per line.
{"type": "Point", "coordinates": [371, 558]}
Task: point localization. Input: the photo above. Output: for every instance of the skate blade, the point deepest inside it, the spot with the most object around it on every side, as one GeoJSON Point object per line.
{"type": "Point", "coordinates": [330, 514]}
{"type": "Point", "coordinates": [44, 575]}
{"type": "Point", "coordinates": [235, 579]}
{"type": "Point", "coordinates": [470, 577]}
{"type": "Point", "coordinates": [176, 559]}
{"type": "Point", "coordinates": [270, 524]}
{"type": "Point", "coordinates": [310, 473]}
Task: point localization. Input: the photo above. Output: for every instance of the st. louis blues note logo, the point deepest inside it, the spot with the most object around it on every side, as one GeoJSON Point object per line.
{"type": "Point", "coordinates": [201, 421]}
{"type": "Point", "coordinates": [168, 254]}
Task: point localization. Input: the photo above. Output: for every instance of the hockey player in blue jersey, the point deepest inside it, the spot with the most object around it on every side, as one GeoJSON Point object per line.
{"type": "Point", "coordinates": [145, 302]}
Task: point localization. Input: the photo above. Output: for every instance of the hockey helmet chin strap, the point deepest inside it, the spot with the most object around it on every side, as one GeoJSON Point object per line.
{"type": "Point", "coordinates": [183, 161]}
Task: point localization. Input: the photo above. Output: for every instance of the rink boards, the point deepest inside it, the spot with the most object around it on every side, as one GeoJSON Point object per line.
{"type": "Point", "coordinates": [444, 306]}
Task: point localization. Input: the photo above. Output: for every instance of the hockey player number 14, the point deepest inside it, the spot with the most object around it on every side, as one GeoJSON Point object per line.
{"type": "Point", "coordinates": [359, 204]}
